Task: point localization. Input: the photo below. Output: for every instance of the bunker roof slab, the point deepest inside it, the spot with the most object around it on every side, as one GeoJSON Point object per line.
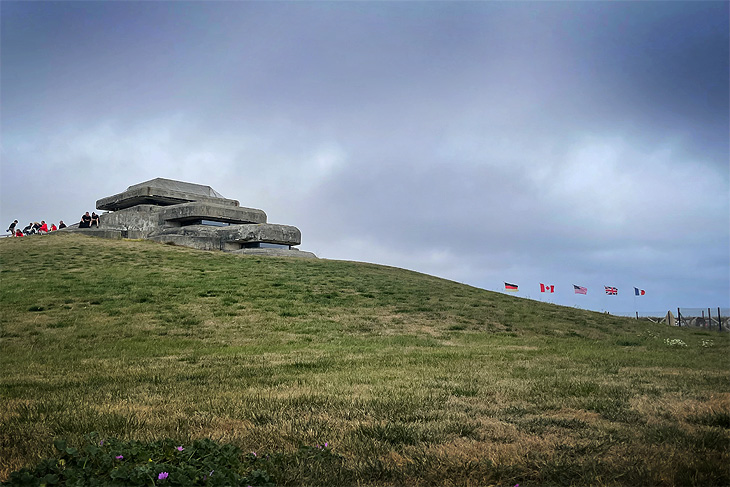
{"type": "Point", "coordinates": [162, 192]}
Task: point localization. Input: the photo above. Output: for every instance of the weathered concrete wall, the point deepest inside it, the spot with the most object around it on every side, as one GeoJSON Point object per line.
{"type": "Point", "coordinates": [198, 210]}
{"type": "Point", "coordinates": [142, 219]}
{"type": "Point", "coordinates": [94, 232]}
{"type": "Point", "coordinates": [192, 241]}
{"type": "Point", "coordinates": [237, 235]}
{"type": "Point", "coordinates": [269, 233]}
{"type": "Point", "coordinates": [276, 253]}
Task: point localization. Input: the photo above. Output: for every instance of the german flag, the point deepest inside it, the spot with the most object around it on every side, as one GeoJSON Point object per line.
{"type": "Point", "coordinates": [510, 287]}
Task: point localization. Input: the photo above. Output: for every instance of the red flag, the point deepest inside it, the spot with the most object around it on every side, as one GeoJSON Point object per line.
{"type": "Point", "coordinates": [545, 288]}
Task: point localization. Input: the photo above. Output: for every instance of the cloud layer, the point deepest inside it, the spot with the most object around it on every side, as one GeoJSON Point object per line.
{"type": "Point", "coordinates": [576, 143]}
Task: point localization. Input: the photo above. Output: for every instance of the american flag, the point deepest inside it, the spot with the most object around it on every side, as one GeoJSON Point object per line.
{"type": "Point", "coordinates": [611, 290]}
{"type": "Point", "coordinates": [580, 289]}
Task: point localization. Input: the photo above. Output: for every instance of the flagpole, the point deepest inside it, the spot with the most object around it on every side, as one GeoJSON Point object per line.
{"type": "Point", "coordinates": [636, 312]}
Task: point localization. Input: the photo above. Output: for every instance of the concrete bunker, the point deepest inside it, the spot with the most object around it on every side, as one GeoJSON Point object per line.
{"type": "Point", "coordinates": [192, 215]}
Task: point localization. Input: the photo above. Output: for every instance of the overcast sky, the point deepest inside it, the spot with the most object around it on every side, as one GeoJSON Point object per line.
{"type": "Point", "coordinates": [558, 142]}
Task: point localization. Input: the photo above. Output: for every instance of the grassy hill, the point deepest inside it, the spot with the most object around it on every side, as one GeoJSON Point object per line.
{"type": "Point", "coordinates": [412, 380]}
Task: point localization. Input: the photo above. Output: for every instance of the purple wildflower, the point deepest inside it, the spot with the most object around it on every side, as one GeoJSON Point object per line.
{"type": "Point", "coordinates": [119, 457]}
{"type": "Point", "coordinates": [162, 476]}
{"type": "Point", "coordinates": [180, 448]}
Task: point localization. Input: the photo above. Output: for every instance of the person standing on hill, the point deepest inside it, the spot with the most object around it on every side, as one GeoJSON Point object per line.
{"type": "Point", "coordinates": [11, 228]}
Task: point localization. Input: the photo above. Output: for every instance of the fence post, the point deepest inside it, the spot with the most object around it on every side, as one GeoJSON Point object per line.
{"type": "Point", "coordinates": [709, 319]}
{"type": "Point", "coordinates": [679, 318]}
{"type": "Point", "coordinates": [719, 320]}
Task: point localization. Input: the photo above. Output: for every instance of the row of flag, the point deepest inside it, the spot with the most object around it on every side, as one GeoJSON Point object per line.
{"type": "Point", "coordinates": [549, 288]}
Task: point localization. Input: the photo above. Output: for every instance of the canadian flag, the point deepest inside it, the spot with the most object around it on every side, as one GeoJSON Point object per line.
{"type": "Point", "coordinates": [544, 288]}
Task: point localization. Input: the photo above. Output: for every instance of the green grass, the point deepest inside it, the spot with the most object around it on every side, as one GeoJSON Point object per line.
{"type": "Point", "coordinates": [412, 380]}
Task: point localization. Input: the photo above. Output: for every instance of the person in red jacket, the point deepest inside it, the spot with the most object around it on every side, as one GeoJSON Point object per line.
{"type": "Point", "coordinates": [18, 232]}
{"type": "Point", "coordinates": [43, 228]}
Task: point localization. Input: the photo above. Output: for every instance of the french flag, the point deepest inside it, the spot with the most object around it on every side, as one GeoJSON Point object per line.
{"type": "Point", "coordinates": [639, 292]}
{"type": "Point", "coordinates": [544, 288]}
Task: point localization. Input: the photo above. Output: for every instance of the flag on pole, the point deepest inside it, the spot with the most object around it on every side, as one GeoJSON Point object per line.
{"type": "Point", "coordinates": [611, 290]}
{"type": "Point", "coordinates": [510, 287]}
{"type": "Point", "coordinates": [544, 288]}
{"type": "Point", "coordinates": [580, 289]}
{"type": "Point", "coordinates": [639, 292]}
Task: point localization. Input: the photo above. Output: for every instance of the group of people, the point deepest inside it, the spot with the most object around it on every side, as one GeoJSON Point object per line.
{"type": "Point", "coordinates": [87, 221]}
{"type": "Point", "coordinates": [33, 227]}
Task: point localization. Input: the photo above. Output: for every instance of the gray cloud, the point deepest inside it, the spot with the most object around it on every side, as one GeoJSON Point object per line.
{"type": "Point", "coordinates": [585, 143]}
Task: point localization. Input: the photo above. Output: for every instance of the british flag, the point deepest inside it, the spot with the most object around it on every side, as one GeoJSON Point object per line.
{"type": "Point", "coordinates": [611, 290]}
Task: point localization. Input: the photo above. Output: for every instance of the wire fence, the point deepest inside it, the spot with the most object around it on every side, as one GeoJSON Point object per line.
{"type": "Point", "coordinates": [708, 318]}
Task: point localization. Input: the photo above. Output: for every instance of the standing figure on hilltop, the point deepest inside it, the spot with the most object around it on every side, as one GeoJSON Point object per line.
{"type": "Point", "coordinates": [11, 228]}
{"type": "Point", "coordinates": [85, 221]}
{"type": "Point", "coordinates": [94, 219]}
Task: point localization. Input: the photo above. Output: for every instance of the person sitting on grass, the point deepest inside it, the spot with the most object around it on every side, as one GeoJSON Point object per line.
{"type": "Point", "coordinates": [61, 225]}
{"type": "Point", "coordinates": [18, 232]}
{"type": "Point", "coordinates": [94, 219]}
{"type": "Point", "coordinates": [53, 227]}
{"type": "Point", "coordinates": [85, 221]}
{"type": "Point", "coordinates": [43, 228]}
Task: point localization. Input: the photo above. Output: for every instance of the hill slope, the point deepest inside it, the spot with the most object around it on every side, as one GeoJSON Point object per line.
{"type": "Point", "coordinates": [411, 378]}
